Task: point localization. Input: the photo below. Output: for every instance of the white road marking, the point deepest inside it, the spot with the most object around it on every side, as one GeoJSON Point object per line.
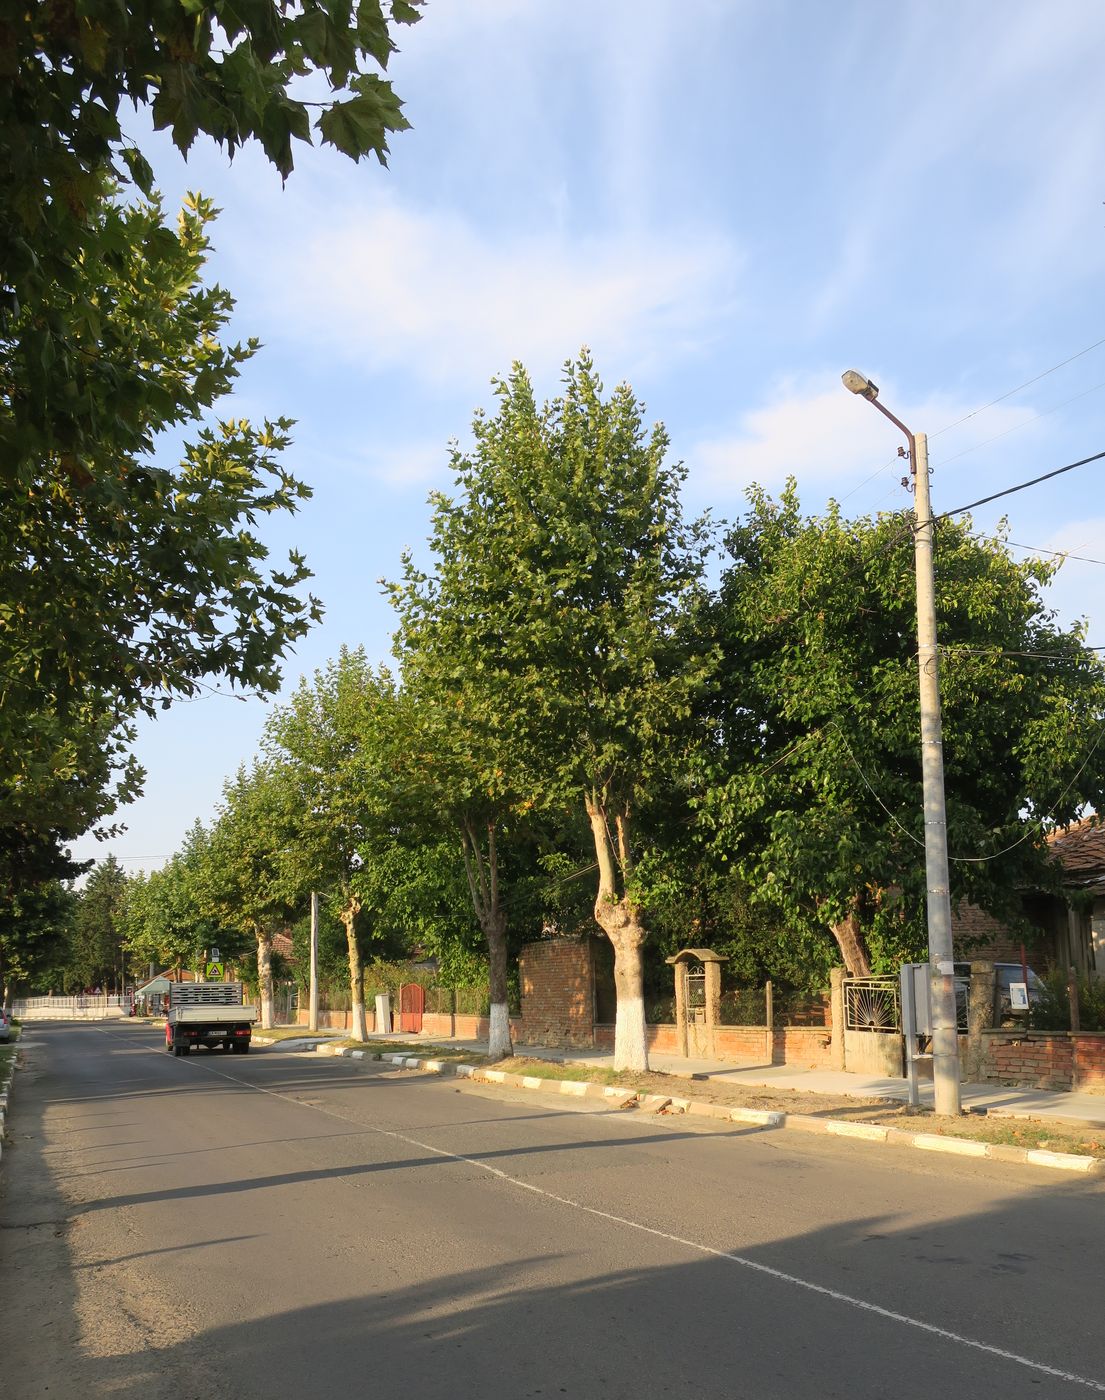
{"type": "Point", "coordinates": [860, 1304]}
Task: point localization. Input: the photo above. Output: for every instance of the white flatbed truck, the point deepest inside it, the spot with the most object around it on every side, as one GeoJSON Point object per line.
{"type": "Point", "coordinates": [211, 1014]}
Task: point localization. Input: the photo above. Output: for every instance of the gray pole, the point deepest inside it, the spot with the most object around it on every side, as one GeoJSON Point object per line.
{"type": "Point", "coordinates": [945, 1035]}
{"type": "Point", "coordinates": [312, 1020]}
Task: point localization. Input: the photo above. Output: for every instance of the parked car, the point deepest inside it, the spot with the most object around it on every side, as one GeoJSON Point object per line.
{"type": "Point", "coordinates": [1005, 974]}
{"type": "Point", "coordinates": [5, 1025]}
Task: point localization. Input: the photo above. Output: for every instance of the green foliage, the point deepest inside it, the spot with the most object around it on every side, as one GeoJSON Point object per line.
{"type": "Point", "coordinates": [814, 790]}
{"type": "Point", "coordinates": [123, 583]}
{"type": "Point", "coordinates": [333, 969]}
{"type": "Point", "coordinates": [332, 750]}
{"type": "Point", "coordinates": [167, 913]}
{"type": "Point", "coordinates": [562, 570]}
{"type": "Point", "coordinates": [59, 775]}
{"type": "Point", "coordinates": [248, 880]}
{"type": "Point", "coordinates": [1050, 1010]}
{"type": "Point", "coordinates": [227, 70]}
{"type": "Point", "coordinates": [694, 900]}
{"type": "Point", "coordinates": [122, 578]}
{"type": "Point", "coordinates": [36, 936]}
{"type": "Point", "coordinates": [96, 958]}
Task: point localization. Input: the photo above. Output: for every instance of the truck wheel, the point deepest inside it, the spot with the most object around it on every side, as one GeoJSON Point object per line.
{"type": "Point", "coordinates": [184, 1049]}
{"type": "Point", "coordinates": [177, 1049]}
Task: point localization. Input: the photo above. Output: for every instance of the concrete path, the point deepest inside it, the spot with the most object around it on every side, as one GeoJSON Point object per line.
{"type": "Point", "coordinates": [995, 1098]}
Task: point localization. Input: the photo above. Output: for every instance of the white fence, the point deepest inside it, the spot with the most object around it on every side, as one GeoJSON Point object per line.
{"type": "Point", "coordinates": [86, 1008]}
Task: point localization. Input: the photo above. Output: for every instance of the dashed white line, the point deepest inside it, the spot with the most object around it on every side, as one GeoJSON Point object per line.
{"type": "Point", "coordinates": [742, 1261]}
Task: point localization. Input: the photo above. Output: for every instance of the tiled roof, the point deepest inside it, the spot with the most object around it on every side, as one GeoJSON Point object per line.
{"type": "Point", "coordinates": [1081, 848]}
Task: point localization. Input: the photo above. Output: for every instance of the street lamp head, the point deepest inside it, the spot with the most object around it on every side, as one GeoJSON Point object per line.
{"type": "Point", "coordinates": [857, 384]}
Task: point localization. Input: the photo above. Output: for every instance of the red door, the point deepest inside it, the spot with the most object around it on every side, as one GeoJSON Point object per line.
{"type": "Point", "coordinates": [412, 1000]}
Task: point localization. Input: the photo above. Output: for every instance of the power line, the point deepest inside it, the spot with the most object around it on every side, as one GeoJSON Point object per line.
{"type": "Point", "coordinates": [1012, 490]}
{"type": "Point", "coordinates": [1037, 824]}
{"type": "Point", "coordinates": [1009, 393]}
{"type": "Point", "coordinates": [998, 651]}
{"type": "Point", "coordinates": [1035, 418]}
{"type": "Point", "coordinates": [1057, 553]}
{"type": "Point", "coordinates": [976, 411]}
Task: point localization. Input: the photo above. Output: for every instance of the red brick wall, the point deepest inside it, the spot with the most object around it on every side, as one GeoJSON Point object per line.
{"type": "Point", "coordinates": [998, 943]}
{"type": "Point", "coordinates": [1089, 1061]}
{"type": "Point", "coordinates": [808, 1046]}
{"type": "Point", "coordinates": [1057, 1060]}
{"type": "Point", "coordinates": [558, 993]}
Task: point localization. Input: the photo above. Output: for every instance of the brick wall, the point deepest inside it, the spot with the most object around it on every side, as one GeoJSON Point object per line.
{"type": "Point", "coordinates": [558, 993]}
{"type": "Point", "coordinates": [998, 943]}
{"type": "Point", "coordinates": [1089, 1053]}
{"type": "Point", "coordinates": [1045, 1060]}
{"type": "Point", "coordinates": [807, 1046]}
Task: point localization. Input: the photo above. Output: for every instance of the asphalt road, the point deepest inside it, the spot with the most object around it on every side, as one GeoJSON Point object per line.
{"type": "Point", "coordinates": [274, 1225]}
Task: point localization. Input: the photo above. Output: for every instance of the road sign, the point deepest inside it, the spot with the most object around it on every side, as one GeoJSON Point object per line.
{"type": "Point", "coordinates": [214, 972]}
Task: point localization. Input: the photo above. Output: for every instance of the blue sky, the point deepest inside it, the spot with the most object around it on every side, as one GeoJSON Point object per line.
{"type": "Point", "coordinates": [730, 203]}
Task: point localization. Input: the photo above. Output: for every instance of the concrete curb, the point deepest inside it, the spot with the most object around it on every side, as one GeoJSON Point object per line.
{"type": "Point", "coordinates": [756, 1117]}
{"type": "Point", "coordinates": [6, 1077]}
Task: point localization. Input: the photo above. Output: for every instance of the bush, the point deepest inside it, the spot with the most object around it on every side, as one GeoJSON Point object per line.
{"type": "Point", "coordinates": [1050, 1010]}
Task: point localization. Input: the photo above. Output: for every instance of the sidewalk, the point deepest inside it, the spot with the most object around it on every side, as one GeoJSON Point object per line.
{"type": "Point", "coordinates": [998, 1100]}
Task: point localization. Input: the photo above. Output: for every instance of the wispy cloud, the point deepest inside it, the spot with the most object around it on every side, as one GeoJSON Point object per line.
{"type": "Point", "coordinates": [813, 430]}
{"type": "Point", "coordinates": [1077, 589]}
{"type": "Point", "coordinates": [428, 293]}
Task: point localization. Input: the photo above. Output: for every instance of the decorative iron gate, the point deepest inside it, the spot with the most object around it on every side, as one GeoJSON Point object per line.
{"type": "Point", "coordinates": [873, 1004]}
{"type": "Point", "coordinates": [412, 1001]}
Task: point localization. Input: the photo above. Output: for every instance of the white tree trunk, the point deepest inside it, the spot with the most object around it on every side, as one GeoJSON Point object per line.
{"type": "Point", "coordinates": [483, 883]}
{"type": "Point", "coordinates": [630, 1032]}
{"type": "Point", "coordinates": [498, 1042]}
{"type": "Point", "coordinates": [620, 919]}
{"type": "Point", "coordinates": [264, 981]}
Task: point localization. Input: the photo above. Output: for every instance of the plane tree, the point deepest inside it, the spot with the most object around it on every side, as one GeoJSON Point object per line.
{"type": "Point", "coordinates": [248, 880]}
{"type": "Point", "coordinates": [331, 746]}
{"type": "Point", "coordinates": [553, 638]}
{"type": "Point", "coordinates": [815, 788]}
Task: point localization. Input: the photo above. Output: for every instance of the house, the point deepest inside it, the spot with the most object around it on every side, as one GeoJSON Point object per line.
{"type": "Point", "coordinates": [1070, 923]}
{"type": "Point", "coordinates": [1075, 920]}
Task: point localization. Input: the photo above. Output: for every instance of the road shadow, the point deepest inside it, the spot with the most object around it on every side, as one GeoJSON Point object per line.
{"type": "Point", "coordinates": [659, 1298]}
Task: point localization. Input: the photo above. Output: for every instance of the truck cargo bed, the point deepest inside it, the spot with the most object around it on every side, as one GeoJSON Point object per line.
{"type": "Point", "coordinates": [210, 1015]}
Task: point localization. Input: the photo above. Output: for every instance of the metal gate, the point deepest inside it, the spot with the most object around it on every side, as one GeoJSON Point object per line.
{"type": "Point", "coordinates": [412, 1002]}
{"type": "Point", "coordinates": [873, 1026]}
{"type": "Point", "coordinates": [872, 1004]}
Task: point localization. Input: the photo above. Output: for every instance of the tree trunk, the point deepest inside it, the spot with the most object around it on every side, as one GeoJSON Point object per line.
{"type": "Point", "coordinates": [264, 980]}
{"type": "Point", "coordinates": [359, 1029]}
{"type": "Point", "coordinates": [498, 1043]}
{"type": "Point", "coordinates": [620, 919]}
{"type": "Point", "coordinates": [849, 939]}
{"type": "Point", "coordinates": [483, 882]}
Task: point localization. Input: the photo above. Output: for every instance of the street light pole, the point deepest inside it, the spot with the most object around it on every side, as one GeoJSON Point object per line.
{"type": "Point", "coordinates": [945, 1032]}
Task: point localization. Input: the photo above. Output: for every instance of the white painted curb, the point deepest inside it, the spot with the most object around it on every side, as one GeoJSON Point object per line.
{"type": "Point", "coordinates": [761, 1117]}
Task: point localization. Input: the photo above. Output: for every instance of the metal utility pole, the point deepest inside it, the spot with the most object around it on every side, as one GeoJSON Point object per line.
{"type": "Point", "coordinates": [945, 1033]}
{"type": "Point", "coordinates": [312, 1018]}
